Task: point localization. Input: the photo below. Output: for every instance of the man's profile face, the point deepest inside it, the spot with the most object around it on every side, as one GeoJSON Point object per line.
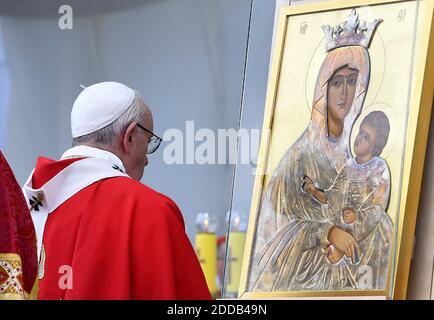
{"type": "Point", "coordinates": [340, 93]}
{"type": "Point", "coordinates": [142, 143]}
{"type": "Point", "coordinates": [136, 159]}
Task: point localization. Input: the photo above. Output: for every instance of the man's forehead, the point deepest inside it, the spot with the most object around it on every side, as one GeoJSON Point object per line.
{"type": "Point", "coordinates": [147, 117]}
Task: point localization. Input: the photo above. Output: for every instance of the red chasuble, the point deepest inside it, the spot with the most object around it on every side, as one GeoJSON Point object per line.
{"type": "Point", "coordinates": [18, 261]}
{"type": "Point", "coordinates": [116, 239]}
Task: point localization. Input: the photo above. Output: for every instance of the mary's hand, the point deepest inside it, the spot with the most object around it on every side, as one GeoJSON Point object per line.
{"type": "Point", "coordinates": [344, 242]}
{"type": "Point", "coordinates": [333, 255]}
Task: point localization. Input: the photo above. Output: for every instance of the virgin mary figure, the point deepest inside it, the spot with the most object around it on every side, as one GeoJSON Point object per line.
{"type": "Point", "coordinates": [292, 229]}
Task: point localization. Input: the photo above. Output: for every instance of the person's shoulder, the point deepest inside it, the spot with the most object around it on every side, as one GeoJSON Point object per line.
{"type": "Point", "coordinates": [381, 163]}
{"type": "Point", "coordinates": [133, 188]}
{"type": "Point", "coordinates": [381, 168]}
{"type": "Point", "coordinates": [141, 195]}
{"type": "Point", "coordinates": [351, 161]}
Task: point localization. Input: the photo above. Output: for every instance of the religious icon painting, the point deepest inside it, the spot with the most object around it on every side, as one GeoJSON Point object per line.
{"type": "Point", "coordinates": [341, 157]}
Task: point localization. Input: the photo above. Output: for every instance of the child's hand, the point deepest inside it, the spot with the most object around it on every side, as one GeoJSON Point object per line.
{"type": "Point", "coordinates": [349, 216]}
{"type": "Point", "coordinates": [308, 185]}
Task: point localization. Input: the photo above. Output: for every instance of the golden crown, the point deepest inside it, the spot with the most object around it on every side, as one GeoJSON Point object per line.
{"type": "Point", "coordinates": [350, 33]}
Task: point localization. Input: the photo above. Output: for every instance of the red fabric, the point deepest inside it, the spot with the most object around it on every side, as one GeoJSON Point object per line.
{"type": "Point", "coordinates": [17, 234]}
{"type": "Point", "coordinates": [122, 240]}
{"type": "Point", "coordinates": [46, 169]}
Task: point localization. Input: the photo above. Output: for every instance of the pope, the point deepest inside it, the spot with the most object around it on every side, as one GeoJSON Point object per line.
{"type": "Point", "coordinates": [101, 234]}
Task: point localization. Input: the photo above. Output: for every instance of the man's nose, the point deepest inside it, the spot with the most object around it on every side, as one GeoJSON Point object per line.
{"type": "Point", "coordinates": [146, 161]}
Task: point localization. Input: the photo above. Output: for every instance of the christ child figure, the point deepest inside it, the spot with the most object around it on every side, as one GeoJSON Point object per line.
{"type": "Point", "coordinates": [357, 200]}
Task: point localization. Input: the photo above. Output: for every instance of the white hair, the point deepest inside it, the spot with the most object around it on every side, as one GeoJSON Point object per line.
{"type": "Point", "coordinates": [107, 135]}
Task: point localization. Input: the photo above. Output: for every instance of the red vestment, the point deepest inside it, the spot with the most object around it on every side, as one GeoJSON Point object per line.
{"type": "Point", "coordinates": [116, 239]}
{"type": "Point", "coordinates": [18, 260]}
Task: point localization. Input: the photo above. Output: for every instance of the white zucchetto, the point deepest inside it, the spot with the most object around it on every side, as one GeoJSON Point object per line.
{"type": "Point", "coordinates": [98, 106]}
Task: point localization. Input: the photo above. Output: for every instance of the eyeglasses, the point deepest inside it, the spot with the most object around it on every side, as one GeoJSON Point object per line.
{"type": "Point", "coordinates": [154, 142]}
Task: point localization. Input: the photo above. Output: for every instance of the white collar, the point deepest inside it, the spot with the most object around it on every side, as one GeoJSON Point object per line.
{"type": "Point", "coordinates": [65, 184]}
{"type": "Point", "coordinates": [85, 151]}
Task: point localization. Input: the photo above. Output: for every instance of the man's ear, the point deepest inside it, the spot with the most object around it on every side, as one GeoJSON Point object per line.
{"type": "Point", "coordinates": [127, 141]}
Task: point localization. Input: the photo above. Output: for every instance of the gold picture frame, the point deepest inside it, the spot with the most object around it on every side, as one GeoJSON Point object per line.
{"type": "Point", "coordinates": [398, 82]}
